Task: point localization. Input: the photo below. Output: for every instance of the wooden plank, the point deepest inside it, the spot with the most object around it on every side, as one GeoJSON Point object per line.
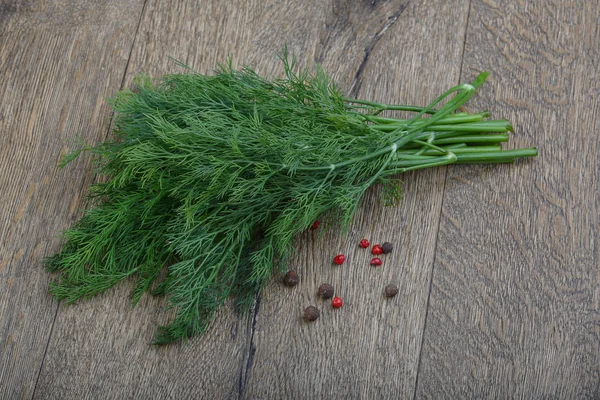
{"type": "Point", "coordinates": [370, 347]}
{"type": "Point", "coordinates": [100, 348]}
{"type": "Point", "coordinates": [58, 62]}
{"type": "Point", "coordinates": [515, 302]}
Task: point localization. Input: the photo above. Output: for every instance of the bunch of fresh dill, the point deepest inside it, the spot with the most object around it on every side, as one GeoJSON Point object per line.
{"type": "Point", "coordinates": [209, 178]}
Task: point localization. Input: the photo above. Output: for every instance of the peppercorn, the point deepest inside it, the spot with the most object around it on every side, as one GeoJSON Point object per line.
{"type": "Point", "coordinates": [387, 247]}
{"type": "Point", "coordinates": [315, 225]}
{"type": "Point", "coordinates": [391, 290]}
{"type": "Point", "coordinates": [326, 291]}
{"type": "Point", "coordinates": [339, 259]}
{"type": "Point", "coordinates": [364, 243]}
{"type": "Point", "coordinates": [311, 313]}
{"type": "Point", "coordinates": [337, 302]}
{"type": "Point", "coordinates": [291, 278]}
{"type": "Point", "coordinates": [377, 250]}
{"type": "Point", "coordinates": [376, 261]}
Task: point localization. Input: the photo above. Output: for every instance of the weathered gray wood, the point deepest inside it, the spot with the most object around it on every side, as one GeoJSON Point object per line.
{"type": "Point", "coordinates": [515, 302]}
{"type": "Point", "coordinates": [58, 61]}
{"type": "Point", "coordinates": [370, 347]}
{"type": "Point", "coordinates": [111, 357]}
{"type": "Point", "coordinates": [101, 348]}
{"type": "Point", "coordinates": [514, 306]}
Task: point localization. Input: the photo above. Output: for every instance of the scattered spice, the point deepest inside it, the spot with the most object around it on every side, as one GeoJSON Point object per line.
{"type": "Point", "coordinates": [337, 302]}
{"type": "Point", "coordinates": [339, 259]}
{"type": "Point", "coordinates": [376, 261]}
{"type": "Point", "coordinates": [311, 313]}
{"type": "Point", "coordinates": [377, 249]}
{"type": "Point", "coordinates": [285, 186]}
{"type": "Point", "coordinates": [364, 243]}
{"type": "Point", "coordinates": [326, 291]}
{"type": "Point", "coordinates": [387, 247]}
{"type": "Point", "coordinates": [291, 278]}
{"type": "Point", "coordinates": [315, 225]}
{"type": "Point", "coordinates": [391, 290]}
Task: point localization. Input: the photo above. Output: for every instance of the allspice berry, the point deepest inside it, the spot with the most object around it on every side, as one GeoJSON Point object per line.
{"type": "Point", "coordinates": [391, 290]}
{"type": "Point", "coordinates": [291, 278]}
{"type": "Point", "coordinates": [311, 313]}
{"type": "Point", "coordinates": [387, 247]}
{"type": "Point", "coordinates": [326, 291]}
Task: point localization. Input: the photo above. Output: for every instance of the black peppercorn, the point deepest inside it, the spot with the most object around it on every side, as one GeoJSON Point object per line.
{"type": "Point", "coordinates": [391, 290]}
{"type": "Point", "coordinates": [326, 291]}
{"type": "Point", "coordinates": [387, 247]}
{"type": "Point", "coordinates": [291, 278]}
{"type": "Point", "coordinates": [311, 313]}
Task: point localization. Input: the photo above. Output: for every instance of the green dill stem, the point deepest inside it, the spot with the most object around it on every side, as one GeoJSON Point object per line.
{"type": "Point", "coordinates": [410, 154]}
{"type": "Point", "coordinates": [382, 107]}
{"type": "Point", "coordinates": [450, 138]}
{"type": "Point", "coordinates": [243, 164]}
{"type": "Point", "coordinates": [481, 156]}
{"type": "Point", "coordinates": [436, 136]}
{"type": "Point", "coordinates": [501, 161]}
{"type": "Point", "coordinates": [467, 89]}
{"type": "Point", "coordinates": [450, 119]}
{"type": "Point", "coordinates": [496, 156]}
{"type": "Point", "coordinates": [400, 167]}
{"type": "Point", "coordinates": [431, 146]}
{"type": "Point", "coordinates": [506, 156]}
{"type": "Point", "coordinates": [426, 160]}
{"type": "Point", "coordinates": [476, 149]}
{"type": "Point", "coordinates": [484, 126]}
{"type": "Point", "coordinates": [474, 139]}
{"type": "Point", "coordinates": [421, 156]}
{"type": "Point", "coordinates": [404, 154]}
{"type": "Point", "coordinates": [464, 92]}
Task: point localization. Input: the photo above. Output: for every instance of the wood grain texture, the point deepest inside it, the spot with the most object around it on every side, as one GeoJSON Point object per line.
{"type": "Point", "coordinates": [57, 64]}
{"type": "Point", "coordinates": [515, 302]}
{"type": "Point", "coordinates": [110, 356]}
{"type": "Point", "coordinates": [370, 347]}
{"type": "Point", "coordinates": [101, 348]}
{"type": "Point", "coordinates": [513, 280]}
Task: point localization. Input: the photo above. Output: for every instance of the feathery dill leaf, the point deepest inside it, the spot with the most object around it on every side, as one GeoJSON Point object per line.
{"type": "Point", "coordinates": [210, 178]}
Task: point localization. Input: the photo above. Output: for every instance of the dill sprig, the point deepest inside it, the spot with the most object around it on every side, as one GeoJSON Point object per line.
{"type": "Point", "coordinates": [208, 179]}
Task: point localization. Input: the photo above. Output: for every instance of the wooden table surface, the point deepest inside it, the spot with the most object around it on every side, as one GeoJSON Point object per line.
{"type": "Point", "coordinates": [498, 266]}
